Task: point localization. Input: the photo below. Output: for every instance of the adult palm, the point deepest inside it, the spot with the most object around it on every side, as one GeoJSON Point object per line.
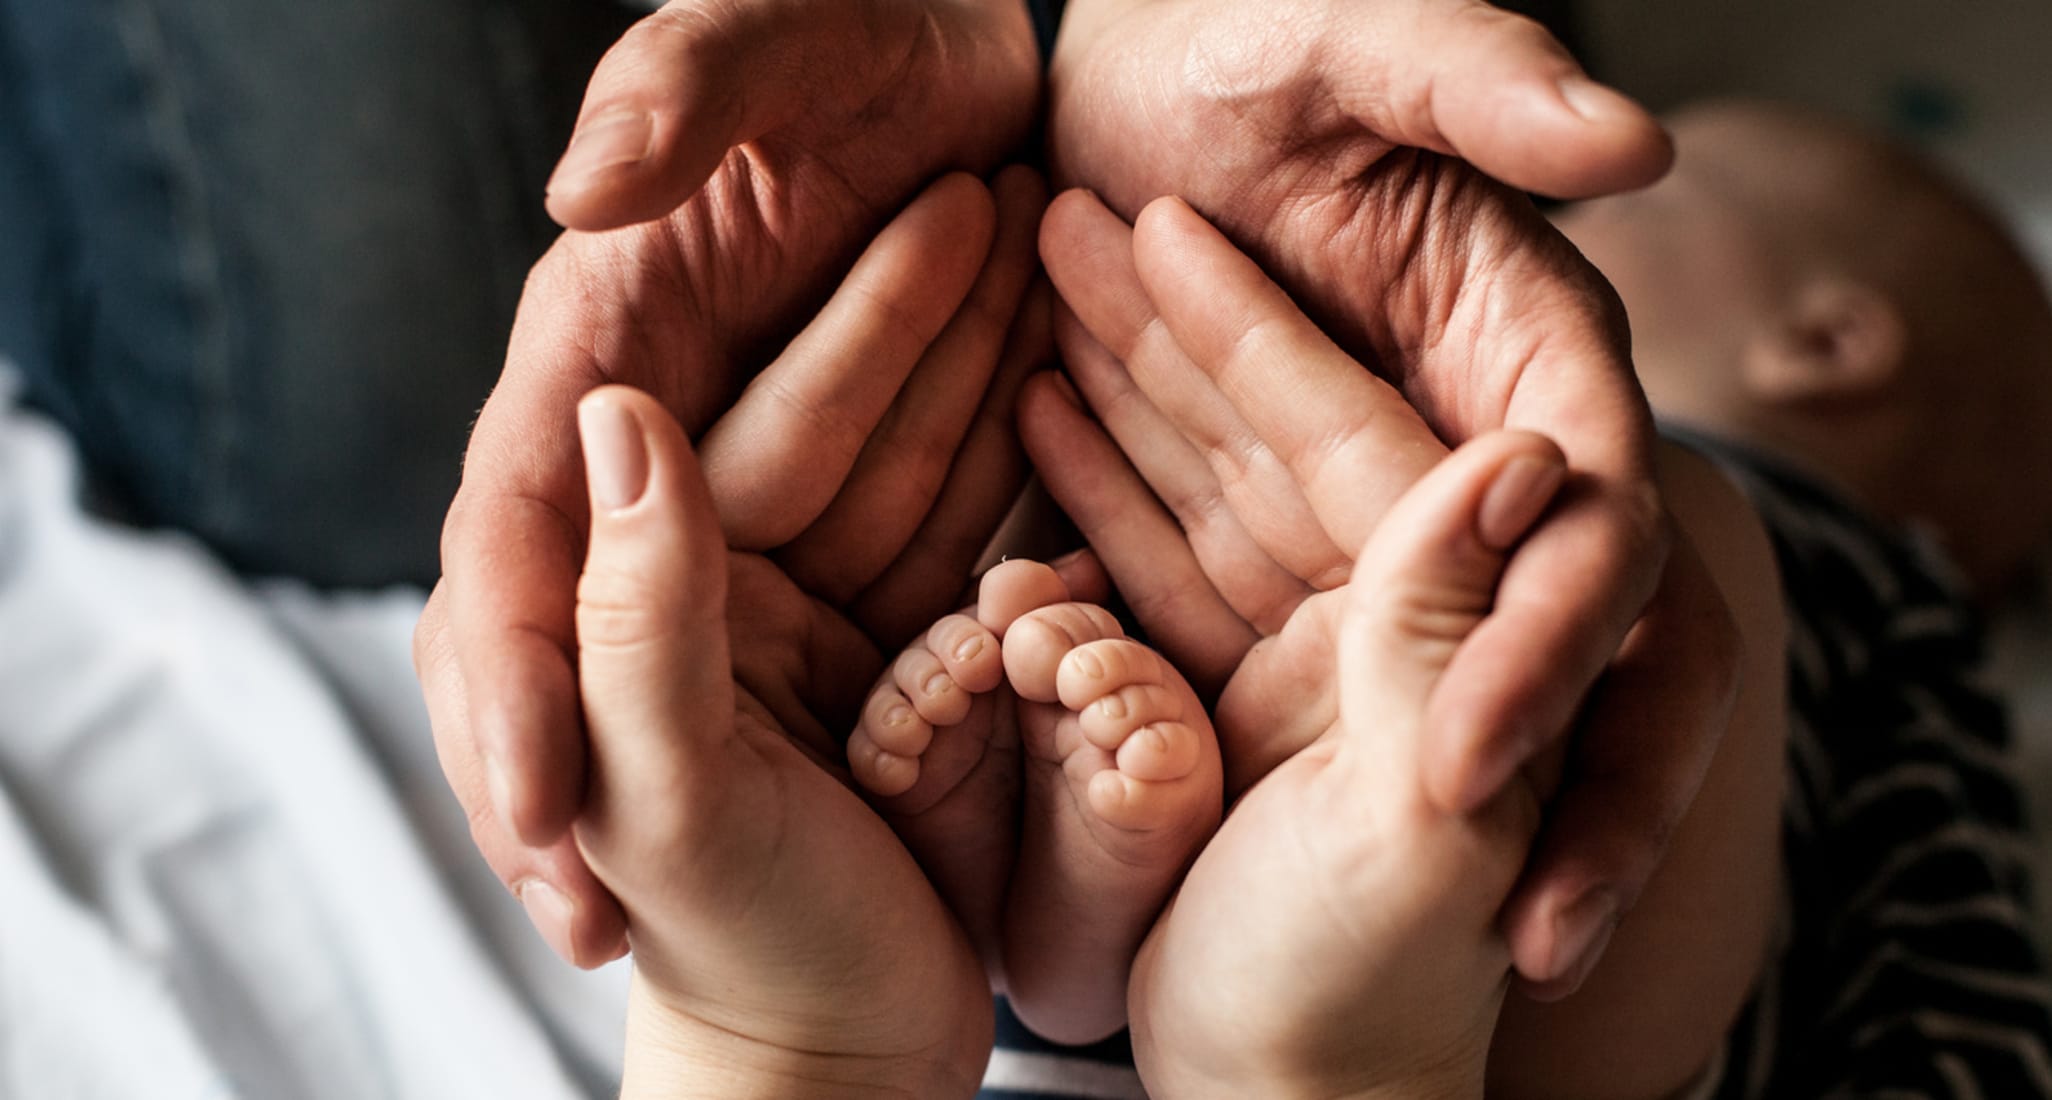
{"type": "Point", "coordinates": [1321, 138]}
{"type": "Point", "coordinates": [686, 308]}
{"type": "Point", "coordinates": [780, 929]}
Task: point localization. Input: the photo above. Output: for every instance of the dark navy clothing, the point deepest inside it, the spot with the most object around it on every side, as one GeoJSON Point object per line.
{"type": "Point", "coordinates": [261, 259]}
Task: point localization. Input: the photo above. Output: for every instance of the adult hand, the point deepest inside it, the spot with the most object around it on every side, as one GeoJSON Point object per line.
{"type": "Point", "coordinates": [1338, 935]}
{"type": "Point", "coordinates": [785, 943]}
{"type": "Point", "coordinates": [1274, 450]}
{"type": "Point", "coordinates": [875, 494]}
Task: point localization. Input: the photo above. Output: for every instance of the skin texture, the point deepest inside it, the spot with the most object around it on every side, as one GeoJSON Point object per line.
{"type": "Point", "coordinates": [1298, 452]}
{"type": "Point", "coordinates": [1314, 135]}
{"type": "Point", "coordinates": [900, 392]}
{"type": "Point", "coordinates": [1299, 126]}
{"type": "Point", "coordinates": [1676, 973]}
{"type": "Point", "coordinates": [1054, 778]}
{"type": "Point", "coordinates": [785, 943]}
{"type": "Point", "coordinates": [1338, 936]}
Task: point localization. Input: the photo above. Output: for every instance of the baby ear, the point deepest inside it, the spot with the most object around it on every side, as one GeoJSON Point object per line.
{"type": "Point", "coordinates": [1838, 340]}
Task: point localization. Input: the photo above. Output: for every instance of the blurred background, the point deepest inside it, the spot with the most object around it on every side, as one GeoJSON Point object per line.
{"type": "Point", "coordinates": [257, 267]}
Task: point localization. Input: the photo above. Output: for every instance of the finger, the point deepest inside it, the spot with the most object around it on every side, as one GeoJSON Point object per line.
{"type": "Point", "coordinates": [1351, 441]}
{"type": "Point", "coordinates": [1518, 685]}
{"type": "Point", "coordinates": [906, 460]}
{"type": "Point", "coordinates": [1138, 542]}
{"type": "Point", "coordinates": [778, 457]}
{"type": "Point", "coordinates": [983, 481]}
{"type": "Point", "coordinates": [510, 558]}
{"type": "Point", "coordinates": [1084, 576]}
{"type": "Point", "coordinates": [697, 78]}
{"type": "Point", "coordinates": [1427, 580]}
{"type": "Point", "coordinates": [1498, 91]}
{"type": "Point", "coordinates": [653, 664]}
{"type": "Point", "coordinates": [1104, 288]}
{"type": "Point", "coordinates": [1651, 732]}
{"type": "Point", "coordinates": [1260, 589]}
{"type": "Point", "coordinates": [575, 915]}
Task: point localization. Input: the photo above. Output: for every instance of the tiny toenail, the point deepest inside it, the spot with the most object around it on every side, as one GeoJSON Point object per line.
{"type": "Point", "coordinates": [1111, 706]}
{"type": "Point", "coordinates": [969, 647]}
{"type": "Point", "coordinates": [1089, 665]}
{"type": "Point", "coordinates": [936, 683]}
{"type": "Point", "coordinates": [897, 715]}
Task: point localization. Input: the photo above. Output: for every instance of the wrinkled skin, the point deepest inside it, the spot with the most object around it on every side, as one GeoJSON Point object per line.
{"type": "Point", "coordinates": [1318, 139]}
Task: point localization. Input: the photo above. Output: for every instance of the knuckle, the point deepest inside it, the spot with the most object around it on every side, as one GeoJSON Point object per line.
{"type": "Point", "coordinates": [618, 606]}
{"type": "Point", "coordinates": [1427, 611]}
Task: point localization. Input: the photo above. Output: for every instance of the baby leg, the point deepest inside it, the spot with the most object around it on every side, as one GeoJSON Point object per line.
{"type": "Point", "coordinates": [1122, 787]}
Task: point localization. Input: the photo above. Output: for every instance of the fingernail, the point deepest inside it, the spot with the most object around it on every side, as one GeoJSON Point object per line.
{"type": "Point", "coordinates": [608, 141]}
{"type": "Point", "coordinates": [552, 916]}
{"type": "Point", "coordinates": [615, 459]}
{"type": "Point", "coordinates": [1513, 502]}
{"type": "Point", "coordinates": [1582, 932]}
{"type": "Point", "coordinates": [1592, 101]}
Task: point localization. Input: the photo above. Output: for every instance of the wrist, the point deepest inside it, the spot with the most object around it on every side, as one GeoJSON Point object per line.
{"type": "Point", "coordinates": [672, 1054]}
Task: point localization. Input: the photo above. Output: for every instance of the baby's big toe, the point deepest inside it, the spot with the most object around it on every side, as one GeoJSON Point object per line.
{"type": "Point", "coordinates": [1012, 588]}
{"type": "Point", "coordinates": [1040, 641]}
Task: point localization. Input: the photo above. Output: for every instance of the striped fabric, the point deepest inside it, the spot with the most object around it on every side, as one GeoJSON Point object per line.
{"type": "Point", "coordinates": [1907, 970]}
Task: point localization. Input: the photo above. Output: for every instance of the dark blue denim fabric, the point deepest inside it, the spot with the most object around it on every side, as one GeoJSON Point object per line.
{"type": "Point", "coordinates": [262, 258]}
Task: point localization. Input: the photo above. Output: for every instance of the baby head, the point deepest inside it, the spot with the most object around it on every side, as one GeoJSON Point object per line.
{"type": "Point", "coordinates": [1818, 292]}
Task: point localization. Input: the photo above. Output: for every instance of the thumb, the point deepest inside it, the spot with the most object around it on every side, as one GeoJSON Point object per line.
{"type": "Point", "coordinates": [653, 668]}
{"type": "Point", "coordinates": [697, 78]}
{"type": "Point", "coordinates": [1428, 577]}
{"type": "Point", "coordinates": [1497, 90]}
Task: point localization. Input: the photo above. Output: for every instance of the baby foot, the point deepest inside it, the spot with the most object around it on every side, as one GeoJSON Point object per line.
{"type": "Point", "coordinates": [1121, 787]}
{"type": "Point", "coordinates": [937, 749]}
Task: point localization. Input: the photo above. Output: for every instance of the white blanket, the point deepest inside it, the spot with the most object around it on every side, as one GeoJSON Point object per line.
{"type": "Point", "coordinates": [228, 866]}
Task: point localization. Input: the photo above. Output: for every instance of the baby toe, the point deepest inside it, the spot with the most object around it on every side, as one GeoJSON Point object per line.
{"type": "Point", "coordinates": [1095, 669]}
{"type": "Point", "coordinates": [1125, 802]}
{"type": "Point", "coordinates": [1013, 588]}
{"type": "Point", "coordinates": [1107, 721]}
{"type": "Point", "coordinates": [889, 720]}
{"type": "Point", "coordinates": [929, 687]}
{"type": "Point", "coordinates": [1160, 751]}
{"type": "Point", "coordinates": [969, 652]}
{"type": "Point", "coordinates": [884, 774]}
{"type": "Point", "coordinates": [1037, 644]}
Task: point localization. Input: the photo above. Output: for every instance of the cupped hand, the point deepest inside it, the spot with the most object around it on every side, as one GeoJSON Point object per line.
{"type": "Point", "coordinates": [870, 462]}
{"type": "Point", "coordinates": [1271, 450]}
{"type": "Point", "coordinates": [1321, 137]}
{"type": "Point", "coordinates": [785, 943]}
{"type": "Point", "coordinates": [1338, 935]}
